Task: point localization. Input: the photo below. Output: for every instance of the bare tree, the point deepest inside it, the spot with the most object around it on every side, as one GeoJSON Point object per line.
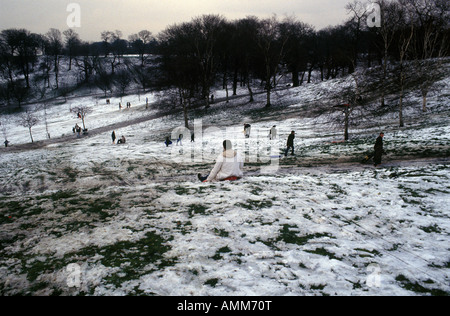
{"type": "Point", "coordinates": [87, 62]}
{"type": "Point", "coordinates": [271, 46]}
{"type": "Point", "coordinates": [103, 80]}
{"type": "Point", "coordinates": [73, 43]}
{"type": "Point", "coordinates": [122, 81]}
{"type": "Point", "coordinates": [4, 128]}
{"type": "Point", "coordinates": [141, 42]}
{"type": "Point", "coordinates": [206, 30]}
{"type": "Point", "coordinates": [19, 92]}
{"type": "Point", "coordinates": [430, 39]}
{"type": "Point", "coordinates": [82, 111]}
{"type": "Point", "coordinates": [28, 120]}
{"type": "Point", "coordinates": [359, 11]}
{"type": "Point", "coordinates": [389, 27]}
{"type": "Point", "coordinates": [54, 47]}
{"type": "Point", "coordinates": [113, 44]}
{"type": "Point", "coordinates": [406, 34]}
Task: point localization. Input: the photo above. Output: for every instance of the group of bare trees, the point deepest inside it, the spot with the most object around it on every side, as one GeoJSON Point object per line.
{"type": "Point", "coordinates": [408, 48]}
{"type": "Point", "coordinates": [30, 62]}
{"type": "Point", "coordinates": [194, 56]}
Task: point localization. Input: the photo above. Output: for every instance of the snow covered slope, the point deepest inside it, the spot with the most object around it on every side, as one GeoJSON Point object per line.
{"type": "Point", "coordinates": [88, 217]}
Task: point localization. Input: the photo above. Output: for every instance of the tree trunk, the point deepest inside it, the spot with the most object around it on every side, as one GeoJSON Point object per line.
{"type": "Point", "coordinates": [400, 109]}
{"type": "Point", "coordinates": [424, 100]}
{"type": "Point", "coordinates": [268, 104]}
{"type": "Point", "coordinates": [185, 110]}
{"type": "Point", "coordinates": [347, 114]}
{"type": "Point", "coordinates": [295, 80]}
{"type": "Point", "coordinates": [235, 80]}
{"type": "Point", "coordinates": [250, 91]}
{"type": "Point", "coordinates": [31, 135]}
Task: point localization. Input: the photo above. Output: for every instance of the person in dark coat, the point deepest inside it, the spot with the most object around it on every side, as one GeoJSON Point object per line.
{"type": "Point", "coordinates": [290, 143]}
{"type": "Point", "coordinates": [168, 141]}
{"type": "Point", "coordinates": [379, 151]}
{"type": "Point", "coordinates": [113, 136]}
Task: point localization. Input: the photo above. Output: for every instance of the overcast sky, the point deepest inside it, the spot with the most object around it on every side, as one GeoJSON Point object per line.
{"type": "Point", "coordinates": [132, 16]}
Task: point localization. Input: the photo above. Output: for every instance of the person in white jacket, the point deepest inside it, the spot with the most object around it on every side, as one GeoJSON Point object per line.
{"type": "Point", "coordinates": [228, 166]}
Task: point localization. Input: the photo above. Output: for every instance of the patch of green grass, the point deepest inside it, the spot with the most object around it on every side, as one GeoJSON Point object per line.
{"type": "Point", "coordinates": [212, 282]}
{"type": "Point", "coordinates": [368, 253]}
{"type": "Point", "coordinates": [196, 209]}
{"type": "Point", "coordinates": [181, 190]}
{"type": "Point", "coordinates": [256, 205]}
{"type": "Point", "coordinates": [18, 209]}
{"type": "Point", "coordinates": [131, 257]}
{"type": "Point", "coordinates": [431, 229]}
{"type": "Point", "coordinates": [60, 195]}
{"type": "Point", "coordinates": [323, 252]}
{"type": "Point", "coordinates": [71, 174]}
{"type": "Point", "coordinates": [420, 289]}
{"type": "Point", "coordinates": [221, 232]}
{"type": "Point", "coordinates": [291, 237]}
{"type": "Point", "coordinates": [98, 207]}
{"type": "Point", "coordinates": [218, 255]}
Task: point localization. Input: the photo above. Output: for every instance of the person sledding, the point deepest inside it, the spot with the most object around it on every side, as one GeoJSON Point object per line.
{"type": "Point", "coordinates": [228, 166]}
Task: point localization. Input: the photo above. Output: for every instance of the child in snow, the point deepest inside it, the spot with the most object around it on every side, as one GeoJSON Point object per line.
{"type": "Point", "coordinates": [179, 140]}
{"type": "Point", "coordinates": [228, 166]}
{"type": "Point", "coordinates": [168, 141]}
{"type": "Point", "coordinates": [273, 132]}
{"type": "Point", "coordinates": [247, 129]}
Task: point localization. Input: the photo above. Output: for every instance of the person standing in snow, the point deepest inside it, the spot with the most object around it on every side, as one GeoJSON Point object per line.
{"type": "Point", "coordinates": [180, 139]}
{"type": "Point", "coordinates": [379, 151]}
{"type": "Point", "coordinates": [290, 143]}
{"type": "Point", "coordinates": [228, 166]}
{"type": "Point", "coordinates": [273, 133]}
{"type": "Point", "coordinates": [247, 129]}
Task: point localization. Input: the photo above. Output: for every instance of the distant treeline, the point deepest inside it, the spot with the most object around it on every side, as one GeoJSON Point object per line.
{"type": "Point", "coordinates": [192, 57]}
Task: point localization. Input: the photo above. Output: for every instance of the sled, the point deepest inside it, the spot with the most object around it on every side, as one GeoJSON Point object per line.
{"type": "Point", "coordinates": [368, 157]}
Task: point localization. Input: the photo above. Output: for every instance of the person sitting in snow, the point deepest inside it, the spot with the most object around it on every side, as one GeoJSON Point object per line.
{"type": "Point", "coordinates": [122, 140]}
{"type": "Point", "coordinates": [228, 166]}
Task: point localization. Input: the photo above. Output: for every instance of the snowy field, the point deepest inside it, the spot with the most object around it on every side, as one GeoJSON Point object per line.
{"type": "Point", "coordinates": [89, 217]}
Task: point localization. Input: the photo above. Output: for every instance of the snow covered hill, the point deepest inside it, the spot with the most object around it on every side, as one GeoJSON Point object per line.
{"type": "Point", "coordinates": [84, 216]}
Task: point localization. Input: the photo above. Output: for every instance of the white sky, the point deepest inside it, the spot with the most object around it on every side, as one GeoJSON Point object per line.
{"type": "Point", "coordinates": [132, 16]}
